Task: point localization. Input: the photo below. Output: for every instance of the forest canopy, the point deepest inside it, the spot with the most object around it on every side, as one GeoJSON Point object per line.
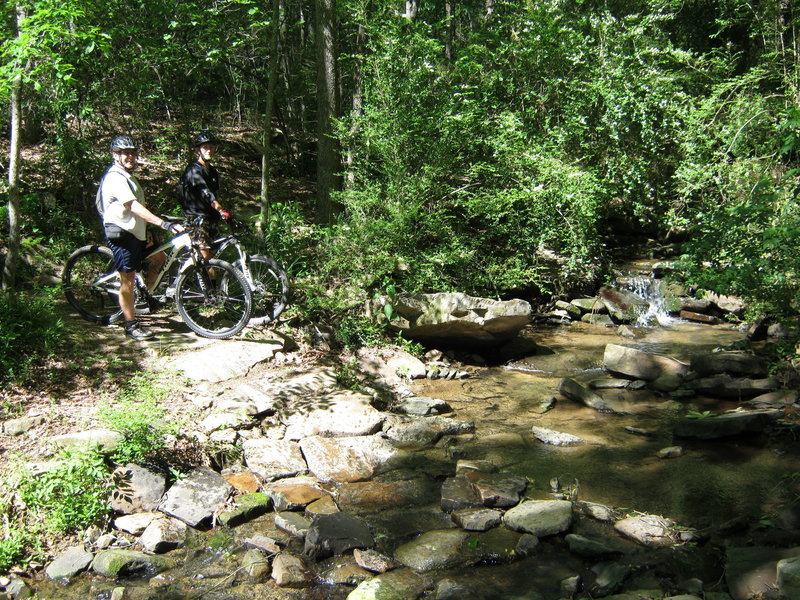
{"type": "Point", "coordinates": [451, 145]}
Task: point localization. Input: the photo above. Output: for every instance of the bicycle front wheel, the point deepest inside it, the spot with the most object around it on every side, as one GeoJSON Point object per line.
{"type": "Point", "coordinates": [213, 299]}
{"type": "Point", "coordinates": [91, 284]}
{"type": "Point", "coordinates": [269, 285]}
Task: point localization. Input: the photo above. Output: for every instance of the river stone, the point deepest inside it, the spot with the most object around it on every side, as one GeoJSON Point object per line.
{"type": "Point", "coordinates": [136, 523]}
{"type": "Point", "coordinates": [569, 388]}
{"type": "Point", "coordinates": [248, 507]}
{"type": "Point", "coordinates": [779, 399]}
{"type": "Point", "coordinates": [589, 305]}
{"type": "Point", "coordinates": [540, 517]}
{"type": "Point", "coordinates": [105, 440]}
{"type": "Point", "coordinates": [342, 414]}
{"type": "Point", "coordinates": [727, 424]}
{"type": "Point", "coordinates": [323, 506]}
{"type": "Point", "coordinates": [458, 493]}
{"type": "Point", "coordinates": [607, 578]}
{"type": "Point", "coordinates": [732, 362]}
{"type": "Point", "coordinates": [217, 421]}
{"type": "Point", "coordinates": [390, 366]}
{"type": "Point", "coordinates": [243, 481]}
{"type": "Point", "coordinates": [262, 403]}
{"type": "Point", "coordinates": [752, 572]}
{"type": "Point", "coordinates": [127, 563]}
{"type": "Point", "coordinates": [598, 319]}
{"type": "Point", "coordinates": [294, 493]}
{"type": "Point", "coordinates": [290, 570]}
{"type": "Point", "coordinates": [374, 561]}
{"type": "Point", "coordinates": [273, 459]}
{"type": "Point", "coordinates": [496, 546]}
{"type": "Point", "coordinates": [501, 490]}
{"type": "Point", "coordinates": [335, 534]}
{"type": "Point", "coordinates": [163, 535]}
{"type": "Point", "coordinates": [637, 364]}
{"type": "Point", "coordinates": [789, 577]}
{"type": "Point", "coordinates": [599, 512]}
{"type": "Point", "coordinates": [136, 489]}
{"type": "Point", "coordinates": [16, 589]}
{"type": "Point", "coordinates": [341, 570]}
{"type": "Point", "coordinates": [556, 438]}
{"type": "Point", "coordinates": [196, 497]}
{"type": "Point", "coordinates": [292, 523]}
{"type": "Point", "coordinates": [263, 543]}
{"type": "Point", "coordinates": [477, 519]}
{"type": "Point", "coordinates": [380, 495]}
{"type": "Point", "coordinates": [725, 386]}
{"type": "Point", "coordinates": [730, 304]}
{"type": "Point", "coordinates": [256, 565]}
{"type": "Point", "coordinates": [438, 549]}
{"type": "Point", "coordinates": [648, 530]}
{"type": "Point", "coordinates": [455, 319]}
{"type": "Point", "coordinates": [400, 584]}
{"type": "Point", "coordinates": [422, 406]}
{"type": "Point", "coordinates": [69, 563]}
{"type": "Point", "coordinates": [623, 305]}
{"type": "Point", "coordinates": [589, 548]}
{"type": "Point", "coordinates": [225, 360]}
{"type": "Point", "coordinates": [348, 459]}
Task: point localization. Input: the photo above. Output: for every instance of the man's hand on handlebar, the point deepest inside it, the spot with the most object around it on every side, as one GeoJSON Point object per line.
{"type": "Point", "coordinates": [172, 226]}
{"type": "Point", "coordinates": [225, 214]}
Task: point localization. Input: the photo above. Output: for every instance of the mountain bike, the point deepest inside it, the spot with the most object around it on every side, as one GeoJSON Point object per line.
{"type": "Point", "coordinates": [212, 296]}
{"type": "Point", "coordinates": [268, 282]}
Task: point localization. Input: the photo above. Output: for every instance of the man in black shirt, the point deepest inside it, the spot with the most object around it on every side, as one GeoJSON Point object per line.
{"type": "Point", "coordinates": [198, 189]}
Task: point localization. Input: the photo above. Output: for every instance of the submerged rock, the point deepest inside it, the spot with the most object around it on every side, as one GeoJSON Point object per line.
{"type": "Point", "coordinates": [727, 424]}
{"type": "Point", "coordinates": [435, 550]}
{"type": "Point", "coordinates": [128, 563]}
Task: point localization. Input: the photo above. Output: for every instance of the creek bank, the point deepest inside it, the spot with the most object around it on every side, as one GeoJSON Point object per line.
{"type": "Point", "coordinates": [354, 500]}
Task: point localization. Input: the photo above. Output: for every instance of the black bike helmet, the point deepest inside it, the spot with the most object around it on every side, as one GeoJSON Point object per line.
{"type": "Point", "coordinates": [204, 138]}
{"type": "Point", "coordinates": [123, 142]}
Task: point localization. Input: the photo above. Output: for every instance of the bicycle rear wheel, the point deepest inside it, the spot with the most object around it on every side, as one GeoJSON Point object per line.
{"type": "Point", "coordinates": [269, 286]}
{"type": "Point", "coordinates": [219, 312]}
{"type": "Point", "coordinates": [91, 284]}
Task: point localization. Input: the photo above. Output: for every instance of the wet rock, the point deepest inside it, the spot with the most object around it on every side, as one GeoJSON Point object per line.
{"type": "Point", "coordinates": [69, 563]}
{"type": "Point", "coordinates": [16, 588]}
{"type": "Point", "coordinates": [248, 507]}
{"type": "Point", "coordinates": [590, 548]}
{"type": "Point", "coordinates": [105, 440]}
{"type": "Point", "coordinates": [670, 452]}
{"type": "Point", "coordinates": [342, 570]}
{"type": "Point", "coordinates": [779, 399]}
{"type": "Point", "coordinates": [136, 489]}
{"type": "Point", "coordinates": [477, 519]}
{"type": "Point", "coordinates": [290, 570]}
{"type": "Point", "coordinates": [637, 364]}
{"type": "Point", "coordinates": [609, 384]}
{"type": "Point", "coordinates": [607, 578]}
{"type": "Point", "coordinates": [540, 517]}
{"type": "Point", "coordinates": [273, 459]}
{"type": "Point", "coordinates": [196, 497]}
{"type": "Point", "coordinates": [256, 565]}
{"type": "Point", "coordinates": [527, 544]}
{"type": "Point", "coordinates": [727, 424]}
{"type": "Point", "coordinates": [128, 563]}
{"type": "Point", "coordinates": [569, 388]}
{"type": "Point", "coordinates": [736, 363]}
{"type": "Point", "coordinates": [648, 530]}
{"type": "Point", "coordinates": [464, 466]}
{"type": "Point", "coordinates": [727, 304]}
{"type": "Point", "coordinates": [599, 512]}
{"type": "Point", "coordinates": [589, 305]}
{"type": "Point", "coordinates": [343, 413]}
{"type": "Point", "coordinates": [598, 319]}
{"type": "Point", "coordinates": [556, 438]}
{"type": "Point", "coordinates": [323, 506]}
{"type": "Point", "coordinates": [500, 490]}
{"type": "Point", "coordinates": [789, 577]}
{"type": "Point", "coordinates": [348, 459]}
{"type": "Point", "coordinates": [380, 495]}
{"type": "Point", "coordinates": [136, 523]}
{"type": "Point", "coordinates": [292, 523]}
{"type": "Point", "coordinates": [400, 584]}
{"type": "Point", "coordinates": [294, 493]}
{"type": "Point", "coordinates": [374, 561]}
{"type": "Point", "coordinates": [163, 535]}
{"type": "Point", "coordinates": [434, 550]}
{"type": "Point", "coordinates": [623, 305]}
{"type": "Point", "coordinates": [752, 572]}
{"type": "Point", "coordinates": [688, 315]}
{"type": "Point", "coordinates": [263, 543]}
{"type": "Point", "coordinates": [422, 406]}
{"type": "Point", "coordinates": [496, 546]}
{"type": "Point", "coordinates": [458, 493]}
{"type": "Point", "coordinates": [405, 523]}
{"type": "Point", "coordinates": [573, 311]}
{"type": "Point", "coordinates": [336, 534]}
{"type": "Point", "coordinates": [725, 386]}
{"type": "Point", "coordinates": [21, 425]}
{"type": "Point", "coordinates": [458, 320]}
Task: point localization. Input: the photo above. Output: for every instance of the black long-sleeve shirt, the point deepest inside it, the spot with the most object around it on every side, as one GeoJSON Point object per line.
{"type": "Point", "coordinates": [198, 190]}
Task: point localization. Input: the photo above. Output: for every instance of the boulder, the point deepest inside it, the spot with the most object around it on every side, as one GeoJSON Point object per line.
{"type": "Point", "coordinates": [69, 563]}
{"type": "Point", "coordinates": [744, 364]}
{"type": "Point", "coordinates": [290, 570]}
{"type": "Point", "coordinates": [637, 364]}
{"type": "Point", "coordinates": [648, 530]}
{"type": "Point", "coordinates": [163, 535]}
{"type": "Point", "coordinates": [346, 459]}
{"type": "Point", "coordinates": [789, 577]}
{"type": "Point", "coordinates": [335, 534]}
{"type": "Point", "coordinates": [725, 386]}
{"type": "Point", "coordinates": [623, 305]}
{"type": "Point", "coordinates": [540, 517]}
{"type": "Point", "coordinates": [342, 413]}
{"type": "Point", "coordinates": [129, 563]}
{"type": "Point", "coordinates": [195, 498]}
{"type": "Point", "coordinates": [273, 459]}
{"type": "Point", "coordinates": [136, 489]}
{"type": "Point", "coordinates": [458, 320]}
{"type": "Point", "coordinates": [248, 507]}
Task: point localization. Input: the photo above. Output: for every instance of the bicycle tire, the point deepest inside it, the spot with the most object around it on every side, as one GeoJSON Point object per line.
{"type": "Point", "coordinates": [223, 313]}
{"type": "Point", "coordinates": [270, 288]}
{"type": "Point", "coordinates": [95, 302]}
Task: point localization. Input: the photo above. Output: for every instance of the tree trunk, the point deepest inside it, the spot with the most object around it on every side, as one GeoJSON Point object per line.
{"type": "Point", "coordinates": [266, 153]}
{"type": "Point", "coordinates": [12, 257]}
{"type": "Point", "coordinates": [357, 109]}
{"type": "Point", "coordinates": [328, 161]}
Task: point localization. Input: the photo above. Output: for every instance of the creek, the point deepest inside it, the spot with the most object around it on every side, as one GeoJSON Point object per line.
{"type": "Point", "coordinates": [711, 483]}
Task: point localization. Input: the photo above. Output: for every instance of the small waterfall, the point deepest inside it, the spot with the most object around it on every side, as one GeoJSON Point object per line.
{"type": "Point", "coordinates": [654, 310]}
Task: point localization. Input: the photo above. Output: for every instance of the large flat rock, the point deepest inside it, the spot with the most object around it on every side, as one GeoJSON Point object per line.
{"type": "Point", "coordinates": [348, 459]}
{"type": "Point", "coordinates": [225, 360]}
{"type": "Point", "coordinates": [344, 413]}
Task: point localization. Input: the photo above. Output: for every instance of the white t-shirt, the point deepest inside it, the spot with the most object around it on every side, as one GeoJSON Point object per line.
{"type": "Point", "coordinates": [118, 190]}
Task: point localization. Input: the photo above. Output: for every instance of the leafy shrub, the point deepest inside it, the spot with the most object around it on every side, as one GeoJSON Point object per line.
{"type": "Point", "coordinates": [30, 330]}
{"type": "Point", "coordinates": [71, 496]}
{"type": "Point", "coordinates": [140, 418]}
{"type": "Point", "coordinates": [12, 548]}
